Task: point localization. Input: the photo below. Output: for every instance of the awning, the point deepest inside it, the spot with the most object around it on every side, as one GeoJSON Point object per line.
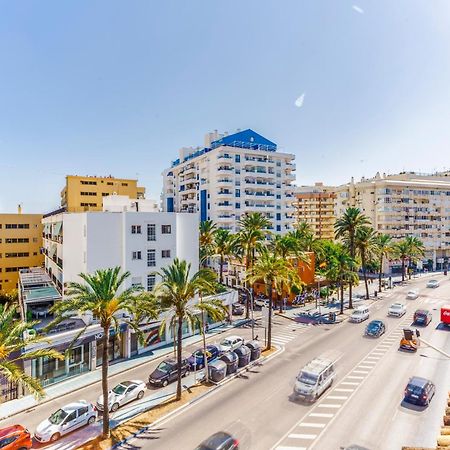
{"type": "Point", "coordinates": [46, 226]}
{"type": "Point", "coordinates": [57, 228]}
{"type": "Point", "coordinates": [52, 250]}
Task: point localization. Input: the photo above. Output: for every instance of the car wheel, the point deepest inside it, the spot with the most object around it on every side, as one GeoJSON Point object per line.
{"type": "Point", "coordinates": [91, 420]}
{"type": "Point", "coordinates": [55, 437]}
{"type": "Point", "coordinates": [114, 407]}
{"type": "Point", "coordinates": [165, 383]}
{"type": "Point", "coordinates": [140, 395]}
{"type": "Point", "coordinates": [186, 373]}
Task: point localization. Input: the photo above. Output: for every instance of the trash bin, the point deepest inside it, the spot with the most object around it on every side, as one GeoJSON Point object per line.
{"type": "Point", "coordinates": [244, 354]}
{"type": "Point", "coordinates": [217, 370]}
{"type": "Point", "coordinates": [332, 317]}
{"type": "Point", "coordinates": [231, 360]}
{"type": "Point", "coordinates": [255, 349]}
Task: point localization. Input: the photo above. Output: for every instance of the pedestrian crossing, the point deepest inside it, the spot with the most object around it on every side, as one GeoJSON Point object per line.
{"type": "Point", "coordinates": [285, 333]}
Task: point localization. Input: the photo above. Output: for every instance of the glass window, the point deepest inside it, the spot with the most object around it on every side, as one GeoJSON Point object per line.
{"type": "Point", "coordinates": [165, 254]}
{"type": "Point", "coordinates": [151, 282]}
{"type": "Point", "coordinates": [151, 232]}
{"type": "Point", "coordinates": [166, 229]}
{"type": "Point", "coordinates": [151, 258]}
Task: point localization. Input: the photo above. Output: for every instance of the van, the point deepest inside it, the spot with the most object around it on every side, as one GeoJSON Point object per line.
{"type": "Point", "coordinates": [360, 314]}
{"type": "Point", "coordinates": [314, 379]}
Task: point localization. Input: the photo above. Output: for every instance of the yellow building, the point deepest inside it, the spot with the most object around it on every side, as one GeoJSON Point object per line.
{"type": "Point", "coordinates": [315, 206]}
{"type": "Point", "coordinates": [86, 193]}
{"type": "Point", "coordinates": [20, 246]}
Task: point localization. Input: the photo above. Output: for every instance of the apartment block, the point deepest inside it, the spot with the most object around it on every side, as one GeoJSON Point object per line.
{"type": "Point", "coordinates": [405, 204]}
{"type": "Point", "coordinates": [230, 176]}
{"type": "Point", "coordinates": [20, 246]}
{"type": "Point", "coordinates": [315, 206]}
{"type": "Point", "coordinates": [87, 193]}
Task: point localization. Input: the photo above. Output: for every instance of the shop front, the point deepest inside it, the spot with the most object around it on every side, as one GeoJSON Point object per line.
{"type": "Point", "coordinates": [117, 345]}
{"type": "Point", "coordinates": [152, 339]}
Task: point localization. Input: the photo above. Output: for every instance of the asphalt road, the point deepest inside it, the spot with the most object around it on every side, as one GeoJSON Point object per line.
{"type": "Point", "coordinates": [363, 407]}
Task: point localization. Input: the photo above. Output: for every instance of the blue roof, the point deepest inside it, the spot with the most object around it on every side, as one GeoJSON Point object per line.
{"type": "Point", "coordinates": [246, 139]}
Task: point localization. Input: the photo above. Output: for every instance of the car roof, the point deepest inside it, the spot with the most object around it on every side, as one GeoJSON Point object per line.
{"type": "Point", "coordinates": [11, 429]}
{"type": "Point", "coordinates": [317, 365]}
{"type": "Point", "coordinates": [232, 337]}
{"type": "Point", "coordinates": [397, 304]}
{"type": "Point", "coordinates": [216, 439]}
{"type": "Point", "coordinates": [361, 308]}
{"type": "Point", "coordinates": [422, 311]}
{"type": "Point", "coordinates": [418, 381]}
{"type": "Point", "coordinates": [376, 322]}
{"type": "Point", "coordinates": [75, 405]}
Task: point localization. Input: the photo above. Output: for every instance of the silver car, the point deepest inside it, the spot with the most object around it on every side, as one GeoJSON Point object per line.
{"type": "Point", "coordinates": [231, 343]}
{"type": "Point", "coordinates": [433, 284]}
{"type": "Point", "coordinates": [123, 393]}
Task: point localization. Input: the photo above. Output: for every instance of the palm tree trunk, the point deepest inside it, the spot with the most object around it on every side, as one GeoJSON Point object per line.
{"type": "Point", "coordinates": [105, 364]}
{"type": "Point", "coordinates": [350, 286]}
{"type": "Point", "coordinates": [179, 349]}
{"type": "Point", "coordinates": [204, 347]}
{"type": "Point", "coordinates": [221, 270]}
{"type": "Point", "coordinates": [247, 303]}
{"type": "Point", "coordinates": [269, 322]}
{"type": "Point", "coordinates": [409, 267]}
{"type": "Point", "coordinates": [342, 298]}
{"type": "Point", "coordinates": [365, 276]}
{"type": "Point", "coordinates": [380, 273]}
{"type": "Point", "coordinates": [403, 269]}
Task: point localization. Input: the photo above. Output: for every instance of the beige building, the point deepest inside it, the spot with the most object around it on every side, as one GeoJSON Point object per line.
{"type": "Point", "coordinates": [20, 246]}
{"type": "Point", "coordinates": [315, 206]}
{"type": "Point", "coordinates": [406, 204]}
{"type": "Point", "coordinates": [86, 193]}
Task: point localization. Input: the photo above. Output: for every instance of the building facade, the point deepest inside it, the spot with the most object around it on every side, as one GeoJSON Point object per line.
{"type": "Point", "coordinates": [405, 204]}
{"type": "Point", "coordinates": [20, 246]}
{"type": "Point", "coordinates": [87, 193]}
{"type": "Point", "coordinates": [315, 206]}
{"type": "Point", "coordinates": [230, 176]}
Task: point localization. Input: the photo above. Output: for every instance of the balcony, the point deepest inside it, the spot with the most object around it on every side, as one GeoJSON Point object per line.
{"type": "Point", "coordinates": [224, 157]}
{"type": "Point", "coordinates": [225, 169]}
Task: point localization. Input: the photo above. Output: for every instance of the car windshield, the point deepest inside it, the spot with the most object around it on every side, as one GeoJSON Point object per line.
{"type": "Point", "coordinates": [307, 378]}
{"type": "Point", "coordinates": [225, 342]}
{"type": "Point", "coordinates": [413, 389]}
{"type": "Point", "coordinates": [57, 417]}
{"type": "Point", "coordinates": [119, 389]}
{"type": "Point", "coordinates": [396, 306]}
{"type": "Point", "coordinates": [373, 326]}
{"type": "Point", "coordinates": [164, 367]}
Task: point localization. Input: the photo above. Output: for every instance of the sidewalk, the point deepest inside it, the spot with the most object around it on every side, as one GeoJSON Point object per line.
{"type": "Point", "coordinates": [70, 385]}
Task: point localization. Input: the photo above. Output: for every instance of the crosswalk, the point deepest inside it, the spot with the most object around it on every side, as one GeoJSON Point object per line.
{"type": "Point", "coordinates": [283, 334]}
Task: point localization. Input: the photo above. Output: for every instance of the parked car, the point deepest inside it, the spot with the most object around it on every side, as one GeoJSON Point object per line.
{"type": "Point", "coordinates": [412, 295]}
{"type": "Point", "coordinates": [433, 284]}
{"type": "Point", "coordinates": [375, 328]}
{"type": "Point", "coordinates": [15, 437]}
{"type": "Point", "coordinates": [219, 441]}
{"type": "Point", "coordinates": [422, 317]}
{"type": "Point", "coordinates": [197, 359]}
{"type": "Point", "coordinates": [123, 393]}
{"type": "Point", "coordinates": [261, 302]}
{"type": "Point", "coordinates": [237, 309]}
{"type": "Point", "coordinates": [167, 371]}
{"type": "Point", "coordinates": [65, 420]}
{"type": "Point", "coordinates": [231, 343]}
{"type": "Point", "coordinates": [360, 314]}
{"type": "Point", "coordinates": [397, 310]}
{"type": "Point", "coordinates": [419, 391]}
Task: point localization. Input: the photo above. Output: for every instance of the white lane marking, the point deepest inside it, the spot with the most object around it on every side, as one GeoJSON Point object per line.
{"type": "Point", "coordinates": [325, 415]}
{"type": "Point", "coordinates": [342, 390]}
{"type": "Point", "coordinates": [361, 371]}
{"type": "Point", "coordinates": [355, 377]}
{"type": "Point", "coordinates": [378, 353]}
{"type": "Point", "coordinates": [282, 340]}
{"type": "Point", "coordinates": [302, 436]}
{"type": "Point", "coordinates": [329, 405]}
{"type": "Point", "coordinates": [374, 357]}
{"type": "Point", "coordinates": [337, 397]}
{"type": "Point", "coordinates": [370, 362]}
{"type": "Point", "coordinates": [312, 425]}
{"type": "Point", "coordinates": [283, 447]}
{"type": "Point", "coordinates": [362, 366]}
{"type": "Point", "coordinates": [350, 383]}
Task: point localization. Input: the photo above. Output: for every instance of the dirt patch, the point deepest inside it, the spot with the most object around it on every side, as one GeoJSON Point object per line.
{"type": "Point", "coordinates": [134, 425]}
{"type": "Point", "coordinates": [269, 351]}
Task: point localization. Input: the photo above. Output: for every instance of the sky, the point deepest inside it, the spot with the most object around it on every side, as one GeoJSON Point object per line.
{"type": "Point", "coordinates": [92, 87]}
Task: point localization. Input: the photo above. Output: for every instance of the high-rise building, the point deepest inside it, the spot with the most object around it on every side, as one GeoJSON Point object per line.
{"type": "Point", "coordinates": [230, 176]}
{"type": "Point", "coordinates": [405, 204]}
{"type": "Point", "coordinates": [315, 206]}
{"type": "Point", "coordinates": [87, 193]}
{"type": "Point", "coordinates": [20, 246]}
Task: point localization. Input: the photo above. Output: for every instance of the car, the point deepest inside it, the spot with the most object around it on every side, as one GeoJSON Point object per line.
{"type": "Point", "coordinates": [167, 371]}
{"type": "Point", "coordinates": [412, 295]}
{"type": "Point", "coordinates": [237, 309]}
{"type": "Point", "coordinates": [123, 393]}
{"type": "Point", "coordinates": [397, 310]}
{"type": "Point", "coordinates": [375, 328]}
{"type": "Point", "coordinates": [231, 343]}
{"type": "Point", "coordinates": [422, 317]}
{"type": "Point", "coordinates": [15, 437]}
{"type": "Point", "coordinates": [314, 379]}
{"type": "Point", "coordinates": [419, 391]}
{"type": "Point", "coordinates": [433, 284]}
{"type": "Point", "coordinates": [219, 441]}
{"type": "Point", "coordinates": [65, 420]}
{"type": "Point", "coordinates": [261, 302]}
{"type": "Point", "coordinates": [197, 359]}
{"type": "Point", "coordinates": [360, 314]}
{"type": "Point", "coordinates": [409, 341]}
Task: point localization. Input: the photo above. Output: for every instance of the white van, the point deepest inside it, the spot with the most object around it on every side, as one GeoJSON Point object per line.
{"type": "Point", "coordinates": [314, 379]}
{"type": "Point", "coordinates": [360, 314]}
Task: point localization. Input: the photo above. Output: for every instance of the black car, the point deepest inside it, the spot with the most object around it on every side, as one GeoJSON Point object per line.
{"type": "Point", "coordinates": [375, 328]}
{"type": "Point", "coordinates": [422, 317]}
{"type": "Point", "coordinates": [419, 391]}
{"type": "Point", "coordinates": [237, 309]}
{"type": "Point", "coordinates": [219, 441]}
{"type": "Point", "coordinates": [167, 371]}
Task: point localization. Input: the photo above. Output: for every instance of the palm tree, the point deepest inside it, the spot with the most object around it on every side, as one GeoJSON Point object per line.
{"type": "Point", "coordinates": [416, 250]}
{"type": "Point", "coordinates": [224, 246]}
{"type": "Point", "coordinates": [402, 251]}
{"type": "Point", "coordinates": [365, 242]}
{"type": "Point", "coordinates": [14, 338]}
{"type": "Point", "coordinates": [383, 243]}
{"type": "Point", "coordinates": [206, 239]}
{"type": "Point", "coordinates": [274, 271]}
{"type": "Point", "coordinates": [346, 227]}
{"type": "Point", "coordinates": [100, 294]}
{"type": "Point", "coordinates": [176, 293]}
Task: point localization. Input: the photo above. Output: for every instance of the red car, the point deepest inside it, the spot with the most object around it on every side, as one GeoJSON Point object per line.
{"type": "Point", "coordinates": [15, 437]}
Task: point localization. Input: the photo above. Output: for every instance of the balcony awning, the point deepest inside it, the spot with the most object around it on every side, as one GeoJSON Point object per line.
{"type": "Point", "coordinates": [57, 228]}
{"type": "Point", "coordinates": [52, 250]}
{"type": "Point", "coordinates": [46, 226]}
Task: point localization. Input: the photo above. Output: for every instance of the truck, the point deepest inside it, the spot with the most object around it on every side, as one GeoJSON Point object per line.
{"type": "Point", "coordinates": [445, 315]}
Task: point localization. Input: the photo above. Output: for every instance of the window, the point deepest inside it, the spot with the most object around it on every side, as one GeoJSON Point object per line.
{"type": "Point", "coordinates": [150, 282]}
{"type": "Point", "coordinates": [136, 281]}
{"type": "Point", "coordinates": [70, 417]}
{"type": "Point", "coordinates": [124, 184]}
{"type": "Point", "coordinates": [165, 254]}
{"type": "Point", "coordinates": [93, 183]}
{"type": "Point", "coordinates": [166, 229]}
{"type": "Point", "coordinates": [237, 158]}
{"type": "Point", "coordinates": [16, 240]}
{"type": "Point", "coordinates": [21, 226]}
{"type": "Point", "coordinates": [17, 255]}
{"type": "Point", "coordinates": [151, 232]}
{"type": "Point", "coordinates": [105, 194]}
{"type": "Point", "coordinates": [83, 411]}
{"type": "Point", "coordinates": [238, 192]}
{"type": "Point", "coordinates": [88, 193]}
{"type": "Point", "coordinates": [136, 255]}
{"type": "Point", "coordinates": [151, 258]}
{"type": "Point", "coordinates": [110, 183]}
{"type": "Point", "coordinates": [88, 204]}
{"type": "Point", "coordinates": [9, 440]}
{"type": "Point", "coordinates": [135, 229]}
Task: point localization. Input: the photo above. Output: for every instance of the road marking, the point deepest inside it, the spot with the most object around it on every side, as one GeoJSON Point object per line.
{"type": "Point", "coordinates": [302, 436]}
{"type": "Point", "coordinates": [329, 405]}
{"type": "Point", "coordinates": [382, 352]}
{"type": "Point", "coordinates": [355, 377]}
{"type": "Point", "coordinates": [280, 340]}
{"type": "Point", "coordinates": [337, 397]}
{"type": "Point", "coordinates": [361, 371]}
{"type": "Point", "coordinates": [283, 447]}
{"type": "Point", "coordinates": [312, 425]}
{"type": "Point", "coordinates": [374, 357]}
{"type": "Point", "coordinates": [343, 390]}
{"type": "Point", "coordinates": [364, 367]}
{"type": "Point", "coordinates": [350, 383]}
{"type": "Point", "coordinates": [326, 415]}
{"type": "Point", "coordinates": [370, 362]}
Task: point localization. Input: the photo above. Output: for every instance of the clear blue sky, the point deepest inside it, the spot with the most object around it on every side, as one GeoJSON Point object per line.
{"type": "Point", "coordinates": [116, 87]}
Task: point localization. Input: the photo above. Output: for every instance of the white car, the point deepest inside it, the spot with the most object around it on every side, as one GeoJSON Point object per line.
{"type": "Point", "coordinates": [231, 343]}
{"type": "Point", "coordinates": [124, 392]}
{"type": "Point", "coordinates": [397, 310]}
{"type": "Point", "coordinates": [433, 284]}
{"type": "Point", "coordinates": [412, 295]}
{"type": "Point", "coordinates": [261, 302]}
{"type": "Point", "coordinates": [65, 420]}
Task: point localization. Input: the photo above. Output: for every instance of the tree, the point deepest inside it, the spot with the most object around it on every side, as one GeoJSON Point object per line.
{"type": "Point", "coordinates": [10, 298]}
{"type": "Point", "coordinates": [383, 243]}
{"type": "Point", "coordinates": [102, 295]}
{"type": "Point", "coordinates": [175, 295]}
{"type": "Point", "coordinates": [416, 251]}
{"type": "Point", "coordinates": [365, 242]}
{"type": "Point", "coordinates": [206, 240]}
{"type": "Point", "coordinates": [401, 251]}
{"type": "Point", "coordinates": [346, 227]}
{"type": "Point", "coordinates": [224, 246]}
{"type": "Point", "coordinates": [14, 338]}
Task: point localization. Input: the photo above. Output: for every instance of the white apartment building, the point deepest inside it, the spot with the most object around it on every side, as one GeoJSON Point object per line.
{"type": "Point", "coordinates": [230, 176]}
{"type": "Point", "coordinates": [405, 204]}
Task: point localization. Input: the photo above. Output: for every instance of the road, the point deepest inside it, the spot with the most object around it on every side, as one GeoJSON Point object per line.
{"type": "Point", "coordinates": [363, 407]}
